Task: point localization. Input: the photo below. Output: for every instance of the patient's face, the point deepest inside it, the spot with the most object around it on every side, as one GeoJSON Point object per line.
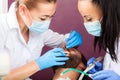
{"type": "Point", "coordinates": [76, 60]}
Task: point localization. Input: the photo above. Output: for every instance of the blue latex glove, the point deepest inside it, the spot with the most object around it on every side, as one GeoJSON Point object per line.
{"type": "Point", "coordinates": [54, 57]}
{"type": "Point", "coordinates": [98, 66]}
{"type": "Point", "coordinates": [106, 75]}
{"type": "Point", "coordinates": [75, 39]}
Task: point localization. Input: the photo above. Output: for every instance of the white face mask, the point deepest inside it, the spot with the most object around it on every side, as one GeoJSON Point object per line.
{"type": "Point", "coordinates": [93, 28]}
{"type": "Point", "coordinates": [39, 27]}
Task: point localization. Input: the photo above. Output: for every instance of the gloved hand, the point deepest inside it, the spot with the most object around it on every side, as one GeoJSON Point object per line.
{"type": "Point", "coordinates": [97, 67]}
{"type": "Point", "coordinates": [75, 39]}
{"type": "Point", "coordinates": [54, 57]}
{"type": "Point", "coordinates": [106, 75]}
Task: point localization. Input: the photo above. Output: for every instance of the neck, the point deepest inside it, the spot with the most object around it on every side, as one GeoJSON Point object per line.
{"type": "Point", "coordinates": [23, 28]}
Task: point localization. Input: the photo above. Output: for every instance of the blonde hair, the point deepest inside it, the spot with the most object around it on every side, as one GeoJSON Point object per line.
{"type": "Point", "coordinates": [32, 3]}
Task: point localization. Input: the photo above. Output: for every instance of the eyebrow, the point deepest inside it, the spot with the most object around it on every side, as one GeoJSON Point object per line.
{"type": "Point", "coordinates": [49, 15]}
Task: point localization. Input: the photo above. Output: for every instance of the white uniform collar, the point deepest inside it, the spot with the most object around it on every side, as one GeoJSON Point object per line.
{"type": "Point", "coordinates": [11, 17]}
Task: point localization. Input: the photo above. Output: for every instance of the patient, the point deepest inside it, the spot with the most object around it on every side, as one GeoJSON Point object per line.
{"type": "Point", "coordinates": [77, 60]}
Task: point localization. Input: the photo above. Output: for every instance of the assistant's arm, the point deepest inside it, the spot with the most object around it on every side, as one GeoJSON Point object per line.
{"type": "Point", "coordinates": [54, 57]}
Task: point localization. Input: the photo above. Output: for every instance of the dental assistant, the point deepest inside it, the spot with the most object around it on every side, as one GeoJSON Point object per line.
{"type": "Point", "coordinates": [24, 31]}
{"type": "Point", "coordinates": [102, 20]}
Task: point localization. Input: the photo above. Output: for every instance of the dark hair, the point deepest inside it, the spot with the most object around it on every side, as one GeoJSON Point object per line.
{"type": "Point", "coordinates": [110, 26]}
{"type": "Point", "coordinates": [32, 3]}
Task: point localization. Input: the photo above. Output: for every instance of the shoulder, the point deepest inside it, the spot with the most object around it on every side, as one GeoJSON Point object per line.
{"type": "Point", "coordinates": [3, 25]}
{"type": "Point", "coordinates": [3, 29]}
{"type": "Point", "coordinates": [3, 21]}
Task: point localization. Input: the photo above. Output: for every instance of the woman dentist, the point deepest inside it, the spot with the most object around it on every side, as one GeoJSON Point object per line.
{"type": "Point", "coordinates": [24, 30]}
{"type": "Point", "coordinates": [102, 20]}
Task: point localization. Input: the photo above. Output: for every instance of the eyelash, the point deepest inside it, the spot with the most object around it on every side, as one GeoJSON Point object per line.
{"type": "Point", "coordinates": [89, 19]}
{"type": "Point", "coordinates": [42, 19]}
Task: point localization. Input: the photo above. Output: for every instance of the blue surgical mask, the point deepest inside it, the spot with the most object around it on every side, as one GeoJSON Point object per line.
{"type": "Point", "coordinates": [93, 28]}
{"type": "Point", "coordinates": [39, 27]}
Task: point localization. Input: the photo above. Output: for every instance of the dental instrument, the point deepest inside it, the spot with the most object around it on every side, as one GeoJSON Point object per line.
{"type": "Point", "coordinates": [90, 66]}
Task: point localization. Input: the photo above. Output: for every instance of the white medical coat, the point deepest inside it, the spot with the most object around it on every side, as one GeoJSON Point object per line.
{"type": "Point", "coordinates": [109, 64]}
{"type": "Point", "coordinates": [12, 40]}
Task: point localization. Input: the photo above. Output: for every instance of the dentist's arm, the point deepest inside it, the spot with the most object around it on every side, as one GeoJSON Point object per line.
{"type": "Point", "coordinates": [53, 57]}
{"type": "Point", "coordinates": [23, 72]}
{"type": "Point", "coordinates": [55, 39]}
